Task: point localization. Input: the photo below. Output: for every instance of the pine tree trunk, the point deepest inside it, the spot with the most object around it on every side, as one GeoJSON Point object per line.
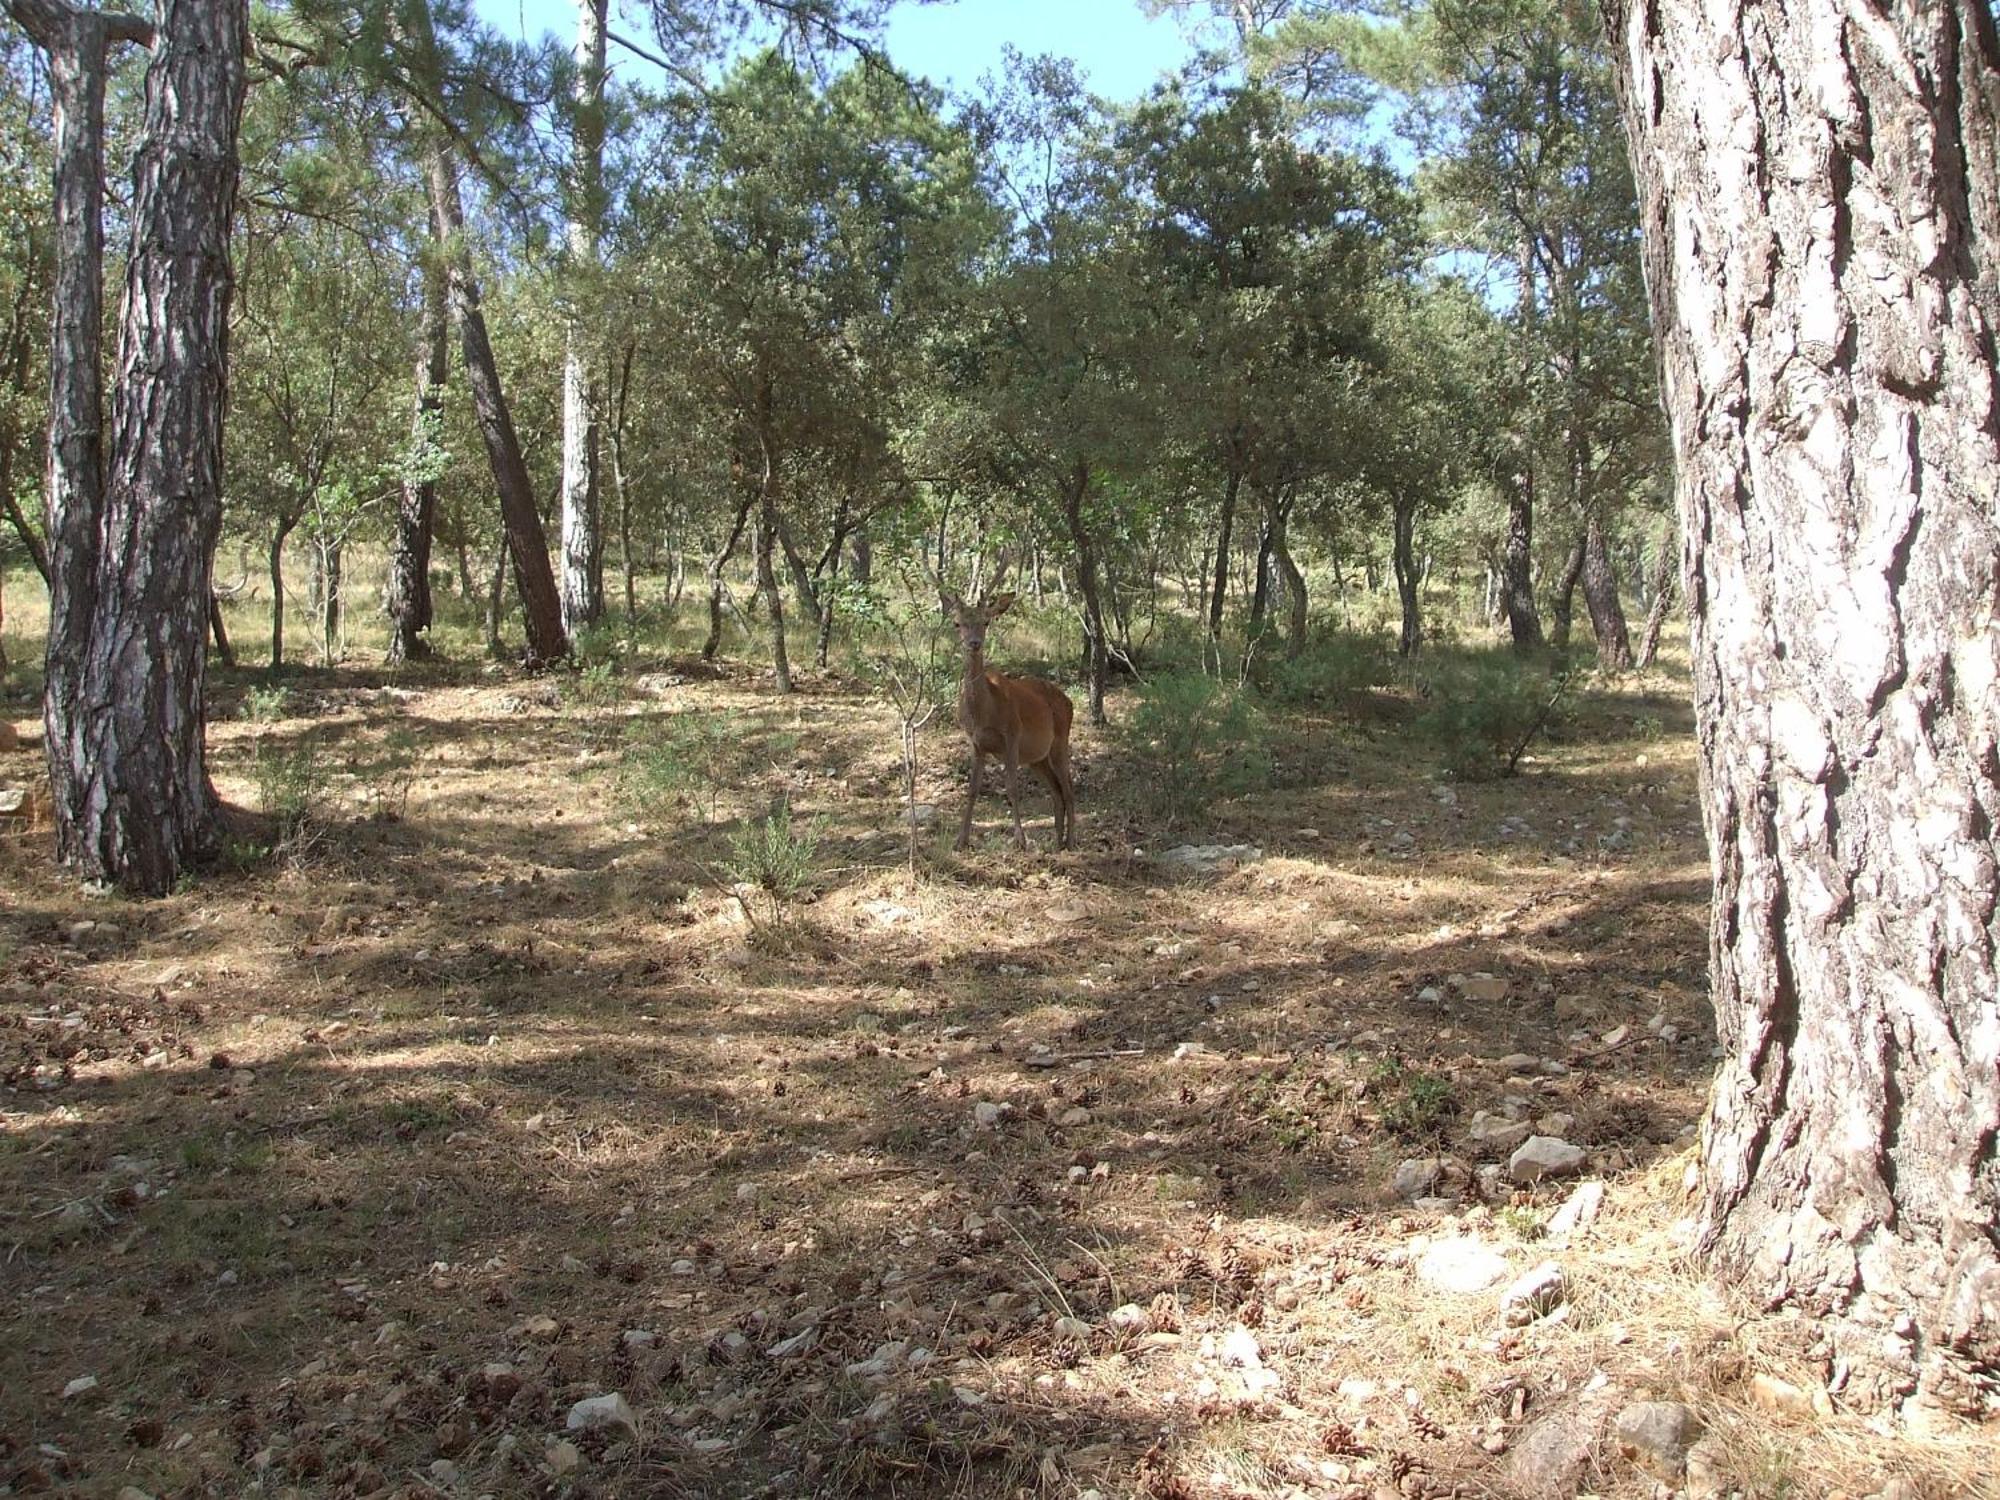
{"type": "Point", "coordinates": [527, 543]}
{"type": "Point", "coordinates": [409, 601]}
{"type": "Point", "coordinates": [582, 524]}
{"type": "Point", "coordinates": [1830, 378]}
{"type": "Point", "coordinates": [1404, 555]}
{"type": "Point", "coordinates": [621, 408]}
{"type": "Point", "coordinates": [1562, 604]}
{"type": "Point", "coordinates": [133, 529]}
{"type": "Point", "coordinates": [218, 631]}
{"type": "Point", "coordinates": [1517, 587]}
{"type": "Point", "coordinates": [1600, 597]}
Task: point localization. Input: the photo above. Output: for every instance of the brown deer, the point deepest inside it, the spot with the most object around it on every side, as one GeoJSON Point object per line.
{"type": "Point", "coordinates": [1023, 720]}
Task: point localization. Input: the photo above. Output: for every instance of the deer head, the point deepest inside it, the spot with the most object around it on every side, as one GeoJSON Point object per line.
{"type": "Point", "coordinates": [973, 619]}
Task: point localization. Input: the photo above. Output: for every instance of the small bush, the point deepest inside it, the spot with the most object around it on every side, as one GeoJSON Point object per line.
{"type": "Point", "coordinates": [1335, 665]}
{"type": "Point", "coordinates": [680, 762]}
{"type": "Point", "coordinates": [292, 788]}
{"type": "Point", "coordinates": [593, 685]}
{"type": "Point", "coordinates": [266, 705]}
{"type": "Point", "coordinates": [1416, 1105]}
{"type": "Point", "coordinates": [771, 862]}
{"type": "Point", "coordinates": [1193, 740]}
{"type": "Point", "coordinates": [1484, 711]}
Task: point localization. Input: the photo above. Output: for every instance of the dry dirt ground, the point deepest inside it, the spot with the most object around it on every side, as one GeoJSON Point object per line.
{"type": "Point", "coordinates": [352, 1171]}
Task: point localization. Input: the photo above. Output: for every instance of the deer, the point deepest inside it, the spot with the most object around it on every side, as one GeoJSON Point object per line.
{"type": "Point", "coordinates": [1022, 720]}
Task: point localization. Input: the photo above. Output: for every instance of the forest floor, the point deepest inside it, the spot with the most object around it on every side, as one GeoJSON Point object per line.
{"type": "Point", "coordinates": [352, 1170]}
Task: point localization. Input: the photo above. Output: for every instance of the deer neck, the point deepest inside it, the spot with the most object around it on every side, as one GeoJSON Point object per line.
{"type": "Point", "coordinates": [975, 693]}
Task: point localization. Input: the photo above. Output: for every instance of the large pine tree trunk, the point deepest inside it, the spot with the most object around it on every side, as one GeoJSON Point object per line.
{"type": "Point", "coordinates": [409, 601]}
{"type": "Point", "coordinates": [1600, 597]}
{"type": "Point", "coordinates": [134, 528]}
{"type": "Point", "coordinates": [527, 543]}
{"type": "Point", "coordinates": [582, 523]}
{"type": "Point", "coordinates": [1821, 210]}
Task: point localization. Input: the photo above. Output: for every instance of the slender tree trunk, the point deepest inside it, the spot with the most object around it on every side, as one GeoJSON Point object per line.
{"type": "Point", "coordinates": [279, 531]}
{"type": "Point", "coordinates": [1260, 580]}
{"type": "Point", "coordinates": [1562, 605]}
{"type": "Point", "coordinates": [1830, 380]}
{"type": "Point", "coordinates": [862, 552]}
{"type": "Point", "coordinates": [496, 600]}
{"type": "Point", "coordinates": [219, 632]}
{"type": "Point", "coordinates": [1222, 529]}
{"type": "Point", "coordinates": [133, 530]}
{"type": "Point", "coordinates": [1291, 578]}
{"type": "Point", "coordinates": [1660, 584]}
{"type": "Point", "coordinates": [409, 601]}
{"type": "Point", "coordinates": [326, 601]}
{"type": "Point", "coordinates": [801, 575]}
{"type": "Point", "coordinates": [1517, 586]}
{"type": "Point", "coordinates": [620, 409]}
{"type": "Point", "coordinates": [582, 525]}
{"type": "Point", "coordinates": [1405, 559]}
{"type": "Point", "coordinates": [765, 543]}
{"type": "Point", "coordinates": [526, 541]}
{"type": "Point", "coordinates": [718, 590]}
{"type": "Point", "coordinates": [1096, 651]}
{"type": "Point", "coordinates": [1600, 596]}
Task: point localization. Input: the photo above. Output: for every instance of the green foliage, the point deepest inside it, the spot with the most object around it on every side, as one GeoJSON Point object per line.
{"type": "Point", "coordinates": [395, 772]}
{"type": "Point", "coordinates": [680, 762]}
{"type": "Point", "coordinates": [1485, 708]}
{"type": "Point", "coordinates": [1416, 1105]}
{"type": "Point", "coordinates": [266, 705]}
{"type": "Point", "coordinates": [1337, 664]}
{"type": "Point", "coordinates": [1192, 740]}
{"type": "Point", "coordinates": [292, 787]}
{"type": "Point", "coordinates": [594, 684]}
{"type": "Point", "coordinates": [770, 863]}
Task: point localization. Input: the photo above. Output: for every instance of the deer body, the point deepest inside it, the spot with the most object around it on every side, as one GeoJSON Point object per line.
{"type": "Point", "coordinates": [1020, 721]}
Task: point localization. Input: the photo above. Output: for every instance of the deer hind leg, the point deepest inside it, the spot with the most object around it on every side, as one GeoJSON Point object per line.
{"type": "Point", "coordinates": [971, 796]}
{"type": "Point", "coordinates": [1048, 773]}
{"type": "Point", "coordinates": [1014, 794]}
{"type": "Point", "coordinates": [1065, 790]}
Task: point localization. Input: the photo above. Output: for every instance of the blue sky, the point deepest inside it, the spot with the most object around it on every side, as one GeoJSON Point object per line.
{"type": "Point", "coordinates": [1120, 52]}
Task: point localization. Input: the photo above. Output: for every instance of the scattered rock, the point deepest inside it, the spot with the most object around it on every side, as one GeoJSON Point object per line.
{"type": "Point", "coordinates": [1496, 1133]}
{"type": "Point", "coordinates": [889, 913]}
{"type": "Point", "coordinates": [563, 1457]}
{"type": "Point", "coordinates": [1544, 1156]}
{"type": "Point", "coordinates": [1463, 1264]}
{"type": "Point", "coordinates": [596, 1413]}
{"type": "Point", "coordinates": [1656, 1435]}
{"type": "Point", "coordinates": [1549, 1459]}
{"type": "Point", "coordinates": [13, 799]}
{"type": "Point", "coordinates": [1780, 1396]}
{"type": "Point", "coordinates": [83, 1385]}
{"type": "Point", "coordinates": [638, 1338]}
{"type": "Point", "coordinates": [986, 1115]}
{"type": "Point", "coordinates": [1708, 1471]}
{"type": "Point", "coordinates": [1484, 988]}
{"type": "Point", "coordinates": [541, 1326]}
{"type": "Point", "coordinates": [1210, 859]}
{"type": "Point", "coordinates": [1579, 1210]}
{"type": "Point", "coordinates": [1415, 1177]}
{"type": "Point", "coordinates": [1074, 1117]}
{"type": "Point", "coordinates": [1534, 1295]}
{"type": "Point", "coordinates": [798, 1343]}
{"type": "Point", "coordinates": [1130, 1318]}
{"type": "Point", "coordinates": [1068, 915]}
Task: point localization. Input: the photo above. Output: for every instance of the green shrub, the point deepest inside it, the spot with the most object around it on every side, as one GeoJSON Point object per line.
{"type": "Point", "coordinates": [292, 788]}
{"type": "Point", "coordinates": [266, 705]}
{"type": "Point", "coordinates": [593, 685]}
{"type": "Point", "coordinates": [682, 761]}
{"type": "Point", "coordinates": [1483, 711]}
{"type": "Point", "coordinates": [1416, 1105]}
{"type": "Point", "coordinates": [1193, 740]}
{"type": "Point", "coordinates": [773, 859]}
{"type": "Point", "coordinates": [1334, 665]}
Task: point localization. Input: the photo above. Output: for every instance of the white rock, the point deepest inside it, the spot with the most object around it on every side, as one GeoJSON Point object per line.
{"type": "Point", "coordinates": [1544, 1156]}
{"type": "Point", "coordinates": [1130, 1318]}
{"type": "Point", "coordinates": [1463, 1264]}
{"type": "Point", "coordinates": [638, 1338]}
{"type": "Point", "coordinates": [1657, 1435]}
{"type": "Point", "coordinates": [1209, 858]}
{"type": "Point", "coordinates": [1485, 988]}
{"type": "Point", "coordinates": [1415, 1177]}
{"type": "Point", "coordinates": [597, 1412]}
{"type": "Point", "coordinates": [1534, 1295]}
{"type": "Point", "coordinates": [1239, 1347]}
{"type": "Point", "coordinates": [83, 1385]}
{"type": "Point", "coordinates": [1497, 1134]}
{"type": "Point", "coordinates": [987, 1115]}
{"type": "Point", "coordinates": [1579, 1209]}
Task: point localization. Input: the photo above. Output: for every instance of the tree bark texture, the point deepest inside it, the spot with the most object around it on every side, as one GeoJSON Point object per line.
{"type": "Point", "coordinates": [1600, 597]}
{"type": "Point", "coordinates": [527, 543]}
{"type": "Point", "coordinates": [133, 526]}
{"type": "Point", "coordinates": [1223, 525]}
{"type": "Point", "coordinates": [1661, 584]}
{"type": "Point", "coordinates": [582, 522]}
{"type": "Point", "coordinates": [281, 530]}
{"type": "Point", "coordinates": [1404, 555]}
{"type": "Point", "coordinates": [718, 588]}
{"type": "Point", "coordinates": [1562, 603]}
{"type": "Point", "coordinates": [1517, 586]}
{"type": "Point", "coordinates": [1821, 210]}
{"type": "Point", "coordinates": [409, 600]}
{"type": "Point", "coordinates": [765, 542]}
{"type": "Point", "coordinates": [1096, 649]}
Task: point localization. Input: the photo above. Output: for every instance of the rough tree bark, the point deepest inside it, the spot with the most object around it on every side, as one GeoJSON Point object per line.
{"type": "Point", "coordinates": [1517, 585]}
{"type": "Point", "coordinates": [1600, 597]}
{"type": "Point", "coordinates": [1660, 583]}
{"type": "Point", "coordinates": [409, 597]}
{"type": "Point", "coordinates": [1820, 201]}
{"type": "Point", "coordinates": [1096, 649]}
{"type": "Point", "coordinates": [1404, 556]}
{"type": "Point", "coordinates": [527, 543]}
{"type": "Point", "coordinates": [1562, 602]}
{"type": "Point", "coordinates": [620, 410]}
{"type": "Point", "coordinates": [582, 524]}
{"type": "Point", "coordinates": [133, 527]}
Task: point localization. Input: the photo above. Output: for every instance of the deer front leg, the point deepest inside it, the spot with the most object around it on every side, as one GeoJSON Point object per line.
{"type": "Point", "coordinates": [971, 796]}
{"type": "Point", "coordinates": [1014, 793]}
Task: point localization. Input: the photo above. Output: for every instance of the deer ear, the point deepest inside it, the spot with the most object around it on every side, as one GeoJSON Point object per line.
{"type": "Point", "coordinates": [999, 605]}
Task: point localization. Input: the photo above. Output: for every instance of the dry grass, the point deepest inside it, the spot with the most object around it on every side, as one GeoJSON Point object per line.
{"type": "Point", "coordinates": [293, 1161]}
